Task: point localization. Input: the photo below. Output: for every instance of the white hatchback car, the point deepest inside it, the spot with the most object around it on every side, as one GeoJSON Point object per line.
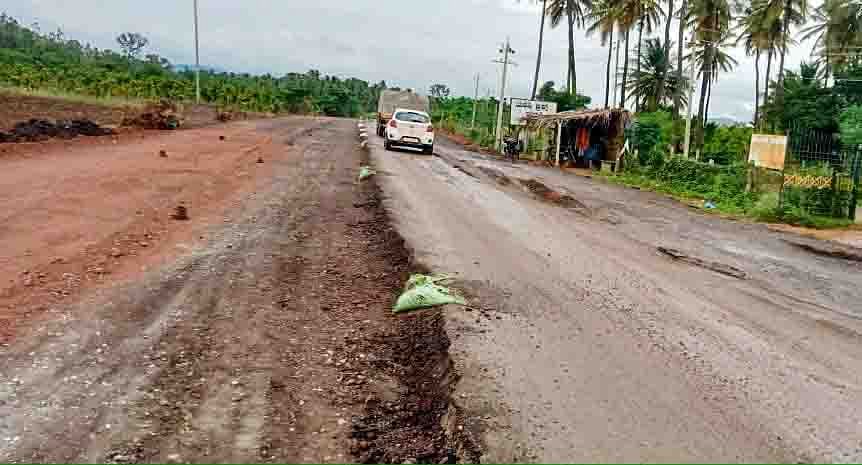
{"type": "Point", "coordinates": [410, 128]}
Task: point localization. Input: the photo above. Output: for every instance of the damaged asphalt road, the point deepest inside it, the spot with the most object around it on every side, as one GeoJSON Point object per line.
{"type": "Point", "coordinates": [587, 343]}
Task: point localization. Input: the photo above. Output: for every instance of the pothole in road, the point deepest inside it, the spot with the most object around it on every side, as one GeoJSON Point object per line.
{"type": "Point", "coordinates": [709, 265]}
{"type": "Point", "coordinates": [550, 195]}
{"type": "Point", "coordinates": [496, 175]}
{"type": "Point", "coordinates": [829, 250]}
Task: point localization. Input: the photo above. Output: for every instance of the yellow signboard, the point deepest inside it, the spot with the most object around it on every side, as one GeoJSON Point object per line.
{"type": "Point", "coordinates": [768, 151]}
{"type": "Point", "coordinates": [842, 183]}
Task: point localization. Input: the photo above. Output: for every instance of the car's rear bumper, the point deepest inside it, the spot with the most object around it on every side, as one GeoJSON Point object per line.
{"type": "Point", "coordinates": [405, 143]}
{"type": "Point", "coordinates": [410, 141]}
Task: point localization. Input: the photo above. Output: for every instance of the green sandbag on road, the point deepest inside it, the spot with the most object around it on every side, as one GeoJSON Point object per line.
{"type": "Point", "coordinates": [422, 291]}
{"type": "Point", "coordinates": [366, 172]}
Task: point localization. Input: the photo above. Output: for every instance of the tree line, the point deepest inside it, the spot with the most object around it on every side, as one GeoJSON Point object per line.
{"type": "Point", "coordinates": [31, 59]}
{"type": "Point", "coordinates": [656, 77]}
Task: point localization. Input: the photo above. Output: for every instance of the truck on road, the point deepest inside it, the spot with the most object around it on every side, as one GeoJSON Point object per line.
{"type": "Point", "coordinates": [390, 100]}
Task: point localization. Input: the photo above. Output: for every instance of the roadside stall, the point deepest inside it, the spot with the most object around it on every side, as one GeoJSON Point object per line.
{"type": "Point", "coordinates": [584, 138]}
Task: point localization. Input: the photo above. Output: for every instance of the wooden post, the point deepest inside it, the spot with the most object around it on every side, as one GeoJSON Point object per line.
{"type": "Point", "coordinates": [559, 138]}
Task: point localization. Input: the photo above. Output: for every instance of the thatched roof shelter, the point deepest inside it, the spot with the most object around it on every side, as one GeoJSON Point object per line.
{"type": "Point", "coordinates": [608, 124]}
{"type": "Point", "coordinates": [604, 118]}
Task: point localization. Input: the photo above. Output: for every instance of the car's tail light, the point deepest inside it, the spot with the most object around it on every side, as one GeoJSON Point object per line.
{"type": "Point", "coordinates": [430, 128]}
{"type": "Point", "coordinates": [393, 124]}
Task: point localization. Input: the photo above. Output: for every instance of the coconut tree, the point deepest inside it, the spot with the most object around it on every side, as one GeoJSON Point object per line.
{"type": "Point", "coordinates": [683, 14]}
{"type": "Point", "coordinates": [629, 15]}
{"type": "Point", "coordinates": [789, 13]}
{"type": "Point", "coordinates": [722, 61]}
{"type": "Point", "coordinates": [668, 21]}
{"type": "Point", "coordinates": [710, 20]}
{"type": "Point", "coordinates": [647, 14]}
{"type": "Point", "coordinates": [544, 4]}
{"type": "Point", "coordinates": [837, 30]}
{"type": "Point", "coordinates": [574, 12]}
{"type": "Point", "coordinates": [602, 20]}
{"type": "Point", "coordinates": [758, 34]}
{"type": "Point", "coordinates": [654, 82]}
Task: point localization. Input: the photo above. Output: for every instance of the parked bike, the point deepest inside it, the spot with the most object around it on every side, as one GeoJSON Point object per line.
{"type": "Point", "coordinates": [512, 148]}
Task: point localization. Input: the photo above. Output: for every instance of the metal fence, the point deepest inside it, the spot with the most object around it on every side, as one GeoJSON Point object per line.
{"type": "Point", "coordinates": [821, 176]}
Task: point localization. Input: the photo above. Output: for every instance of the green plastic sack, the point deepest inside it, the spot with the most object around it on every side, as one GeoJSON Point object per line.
{"type": "Point", "coordinates": [366, 172]}
{"type": "Point", "coordinates": [423, 291]}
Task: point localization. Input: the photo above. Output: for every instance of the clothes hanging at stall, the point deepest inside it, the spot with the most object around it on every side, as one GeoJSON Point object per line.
{"type": "Point", "coordinates": [582, 140]}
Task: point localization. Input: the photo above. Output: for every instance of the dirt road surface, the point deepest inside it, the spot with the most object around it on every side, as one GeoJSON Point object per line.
{"type": "Point", "coordinates": [605, 323]}
{"type": "Point", "coordinates": [258, 330]}
{"type": "Point", "coordinates": [586, 342]}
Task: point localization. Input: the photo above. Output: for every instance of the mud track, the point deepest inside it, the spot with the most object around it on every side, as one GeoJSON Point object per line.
{"type": "Point", "coordinates": [269, 341]}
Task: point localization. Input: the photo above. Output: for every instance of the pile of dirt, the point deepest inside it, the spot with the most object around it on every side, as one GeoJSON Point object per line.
{"type": "Point", "coordinates": [35, 130]}
{"type": "Point", "coordinates": [551, 195]}
{"type": "Point", "coordinates": [18, 107]}
{"type": "Point", "coordinates": [417, 424]}
{"type": "Point", "coordinates": [229, 115]}
{"type": "Point", "coordinates": [164, 115]}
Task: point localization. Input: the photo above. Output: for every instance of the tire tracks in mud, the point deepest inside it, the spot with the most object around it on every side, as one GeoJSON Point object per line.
{"type": "Point", "coordinates": [272, 343]}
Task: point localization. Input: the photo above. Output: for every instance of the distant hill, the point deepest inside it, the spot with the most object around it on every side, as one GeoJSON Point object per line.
{"type": "Point", "coordinates": [724, 121]}
{"type": "Point", "coordinates": [184, 67]}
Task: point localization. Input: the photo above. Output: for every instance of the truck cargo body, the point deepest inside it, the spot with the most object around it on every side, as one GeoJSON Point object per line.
{"type": "Point", "coordinates": [392, 99]}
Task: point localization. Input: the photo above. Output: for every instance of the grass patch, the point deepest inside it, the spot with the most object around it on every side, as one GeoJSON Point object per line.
{"type": "Point", "coordinates": [116, 102]}
{"type": "Point", "coordinates": [726, 192]}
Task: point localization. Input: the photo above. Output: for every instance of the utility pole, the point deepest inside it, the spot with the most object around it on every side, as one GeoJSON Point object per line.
{"type": "Point", "coordinates": [475, 103]}
{"type": "Point", "coordinates": [506, 50]}
{"type": "Point", "coordinates": [687, 140]}
{"type": "Point", "coordinates": [616, 69]}
{"type": "Point", "coordinates": [197, 58]}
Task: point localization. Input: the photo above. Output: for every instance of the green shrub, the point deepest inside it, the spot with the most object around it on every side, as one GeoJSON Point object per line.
{"type": "Point", "coordinates": [687, 176]}
{"type": "Point", "coordinates": [727, 145]}
{"type": "Point", "coordinates": [766, 208]}
{"type": "Point", "coordinates": [851, 126]}
{"type": "Point", "coordinates": [651, 133]}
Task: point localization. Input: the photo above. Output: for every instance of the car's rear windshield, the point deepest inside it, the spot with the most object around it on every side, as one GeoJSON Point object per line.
{"type": "Point", "coordinates": [411, 117]}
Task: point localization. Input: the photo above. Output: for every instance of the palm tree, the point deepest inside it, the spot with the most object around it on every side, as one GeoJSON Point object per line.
{"type": "Point", "coordinates": [667, 47]}
{"type": "Point", "coordinates": [710, 20]}
{"type": "Point", "coordinates": [574, 11]}
{"type": "Point", "coordinates": [647, 14]}
{"type": "Point", "coordinates": [655, 82]}
{"type": "Point", "coordinates": [837, 29]}
{"type": "Point", "coordinates": [758, 34]}
{"type": "Point", "coordinates": [771, 26]}
{"type": "Point", "coordinates": [603, 19]}
{"type": "Point", "coordinates": [629, 15]}
{"type": "Point", "coordinates": [683, 14]}
{"type": "Point", "coordinates": [668, 20]}
{"type": "Point", "coordinates": [791, 13]}
{"type": "Point", "coordinates": [722, 61]}
{"type": "Point", "coordinates": [541, 43]}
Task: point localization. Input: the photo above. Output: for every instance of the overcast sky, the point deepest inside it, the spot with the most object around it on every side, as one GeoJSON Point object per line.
{"type": "Point", "coordinates": [408, 43]}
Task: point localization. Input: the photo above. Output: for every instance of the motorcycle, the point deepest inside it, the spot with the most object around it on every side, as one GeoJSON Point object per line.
{"type": "Point", "coordinates": [512, 148]}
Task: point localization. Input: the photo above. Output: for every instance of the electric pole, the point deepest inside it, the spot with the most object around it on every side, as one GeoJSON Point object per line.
{"type": "Point", "coordinates": [505, 50]}
{"type": "Point", "coordinates": [197, 58]}
{"type": "Point", "coordinates": [616, 69]}
{"type": "Point", "coordinates": [475, 103]}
